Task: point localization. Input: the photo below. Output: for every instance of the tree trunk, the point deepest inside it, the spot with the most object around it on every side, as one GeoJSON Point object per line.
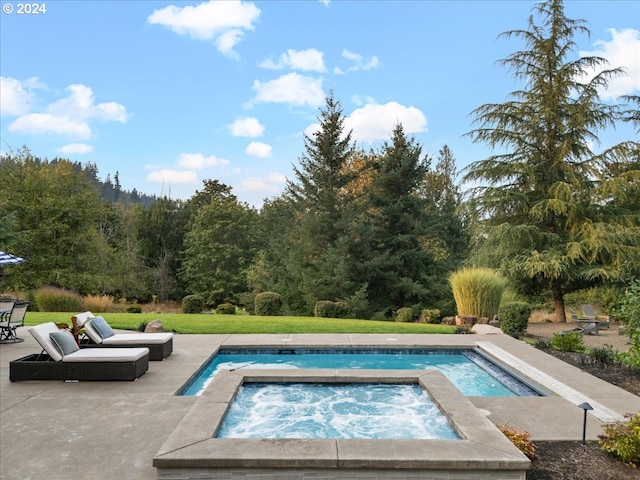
{"type": "Point", "coordinates": [558, 300]}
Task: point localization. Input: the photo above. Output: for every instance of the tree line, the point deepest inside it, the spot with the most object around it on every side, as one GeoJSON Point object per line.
{"type": "Point", "coordinates": [378, 229]}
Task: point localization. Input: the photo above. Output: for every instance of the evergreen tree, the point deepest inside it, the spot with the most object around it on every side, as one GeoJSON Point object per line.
{"type": "Point", "coordinates": [548, 201]}
{"type": "Point", "coordinates": [387, 249]}
{"type": "Point", "coordinates": [161, 230]}
{"type": "Point", "coordinates": [321, 204]}
{"type": "Point", "coordinates": [446, 232]}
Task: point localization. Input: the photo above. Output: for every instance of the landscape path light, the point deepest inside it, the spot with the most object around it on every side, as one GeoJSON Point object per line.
{"type": "Point", "coordinates": [586, 407]}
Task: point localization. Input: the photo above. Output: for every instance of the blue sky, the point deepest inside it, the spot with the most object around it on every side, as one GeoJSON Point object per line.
{"type": "Point", "coordinates": [171, 93]}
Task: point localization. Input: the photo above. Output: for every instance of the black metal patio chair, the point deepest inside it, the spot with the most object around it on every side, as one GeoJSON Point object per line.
{"type": "Point", "coordinates": [10, 323]}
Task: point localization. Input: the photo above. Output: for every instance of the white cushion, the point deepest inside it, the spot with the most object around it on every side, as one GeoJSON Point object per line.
{"type": "Point", "coordinates": [41, 334]}
{"type": "Point", "coordinates": [134, 338]}
{"type": "Point", "coordinates": [106, 355]}
{"type": "Point", "coordinates": [83, 317]}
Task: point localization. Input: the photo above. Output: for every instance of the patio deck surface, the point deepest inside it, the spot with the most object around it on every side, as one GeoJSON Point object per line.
{"type": "Point", "coordinates": [113, 430]}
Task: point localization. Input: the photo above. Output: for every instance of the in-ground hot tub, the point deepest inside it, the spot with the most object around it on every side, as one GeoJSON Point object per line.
{"type": "Point", "coordinates": [481, 451]}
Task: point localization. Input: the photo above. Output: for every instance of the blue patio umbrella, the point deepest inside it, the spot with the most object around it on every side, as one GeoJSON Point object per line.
{"type": "Point", "coordinates": [8, 259]}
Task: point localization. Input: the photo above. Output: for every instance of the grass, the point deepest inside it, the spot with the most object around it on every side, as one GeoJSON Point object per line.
{"type": "Point", "coordinates": [227, 324]}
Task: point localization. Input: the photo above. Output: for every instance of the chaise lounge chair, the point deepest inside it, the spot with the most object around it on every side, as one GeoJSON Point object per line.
{"type": "Point", "coordinates": [100, 334]}
{"type": "Point", "coordinates": [62, 359]}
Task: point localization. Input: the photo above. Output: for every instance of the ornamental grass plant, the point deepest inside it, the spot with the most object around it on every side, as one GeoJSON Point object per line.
{"type": "Point", "coordinates": [477, 291]}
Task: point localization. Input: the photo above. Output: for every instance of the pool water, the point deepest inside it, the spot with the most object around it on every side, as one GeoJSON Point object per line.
{"type": "Point", "coordinates": [470, 372]}
{"type": "Point", "coordinates": [363, 411]}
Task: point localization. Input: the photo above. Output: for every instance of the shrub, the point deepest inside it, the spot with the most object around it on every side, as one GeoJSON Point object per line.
{"type": "Point", "coordinates": [404, 314]}
{"type": "Point", "coordinates": [629, 313]}
{"type": "Point", "coordinates": [542, 343]}
{"type": "Point", "coordinates": [522, 440]}
{"type": "Point", "coordinates": [54, 299]}
{"type": "Point", "coordinates": [514, 318]}
{"type": "Point", "coordinates": [431, 315]}
{"type": "Point", "coordinates": [358, 304]}
{"type": "Point", "coordinates": [226, 309]}
{"type": "Point", "coordinates": [342, 310]}
{"type": "Point", "coordinates": [622, 439]}
{"type": "Point", "coordinates": [324, 309]}
{"type": "Point", "coordinates": [98, 303]}
{"type": "Point", "coordinates": [477, 291]}
{"type": "Point", "coordinates": [134, 309]}
{"type": "Point", "coordinates": [605, 355]}
{"type": "Point", "coordinates": [192, 304]}
{"type": "Point", "coordinates": [329, 309]}
{"type": "Point", "coordinates": [247, 301]}
{"type": "Point", "coordinates": [568, 342]}
{"type": "Point", "coordinates": [142, 326]}
{"type": "Point", "coordinates": [268, 303]}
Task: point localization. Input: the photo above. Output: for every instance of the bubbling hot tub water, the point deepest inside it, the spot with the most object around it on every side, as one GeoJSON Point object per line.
{"type": "Point", "coordinates": [357, 411]}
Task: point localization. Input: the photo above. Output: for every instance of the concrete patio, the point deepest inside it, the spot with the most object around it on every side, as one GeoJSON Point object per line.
{"type": "Point", "coordinates": [113, 430]}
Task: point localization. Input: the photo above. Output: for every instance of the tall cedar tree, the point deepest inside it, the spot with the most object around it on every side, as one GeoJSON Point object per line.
{"type": "Point", "coordinates": [550, 205]}
{"type": "Point", "coordinates": [321, 203]}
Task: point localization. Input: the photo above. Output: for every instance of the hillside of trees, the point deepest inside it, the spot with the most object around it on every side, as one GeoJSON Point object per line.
{"type": "Point", "coordinates": [379, 229]}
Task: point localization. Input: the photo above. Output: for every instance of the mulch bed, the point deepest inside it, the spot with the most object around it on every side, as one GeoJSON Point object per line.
{"type": "Point", "coordinates": [569, 460]}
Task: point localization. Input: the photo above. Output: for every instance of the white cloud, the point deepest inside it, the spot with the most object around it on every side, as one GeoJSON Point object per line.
{"type": "Point", "coordinates": [247, 127]}
{"type": "Point", "coordinates": [80, 104]}
{"type": "Point", "coordinates": [223, 22]}
{"type": "Point", "coordinates": [291, 88]}
{"type": "Point", "coordinates": [169, 176]}
{"type": "Point", "coordinates": [257, 184]}
{"type": "Point", "coordinates": [309, 60]}
{"type": "Point", "coordinates": [71, 115]}
{"type": "Point", "coordinates": [359, 62]}
{"type": "Point", "coordinates": [80, 148]}
{"type": "Point", "coordinates": [199, 161]}
{"type": "Point", "coordinates": [45, 123]}
{"type": "Point", "coordinates": [276, 177]}
{"type": "Point", "coordinates": [258, 149]}
{"type": "Point", "coordinates": [621, 51]}
{"type": "Point", "coordinates": [17, 96]}
{"type": "Point", "coordinates": [376, 122]}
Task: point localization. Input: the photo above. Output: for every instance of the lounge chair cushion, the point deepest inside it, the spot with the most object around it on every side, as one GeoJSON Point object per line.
{"type": "Point", "coordinates": [107, 355]}
{"type": "Point", "coordinates": [42, 334]}
{"type": "Point", "coordinates": [64, 342]}
{"type": "Point", "coordinates": [100, 325]}
{"type": "Point", "coordinates": [138, 339]}
{"type": "Point", "coordinates": [81, 318]}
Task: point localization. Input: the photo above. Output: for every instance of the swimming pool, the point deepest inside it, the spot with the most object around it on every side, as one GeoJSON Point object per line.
{"type": "Point", "coordinates": [356, 411]}
{"type": "Point", "coordinates": [472, 373]}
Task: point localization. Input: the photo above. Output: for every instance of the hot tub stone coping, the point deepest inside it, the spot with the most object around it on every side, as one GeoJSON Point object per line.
{"type": "Point", "coordinates": [482, 446]}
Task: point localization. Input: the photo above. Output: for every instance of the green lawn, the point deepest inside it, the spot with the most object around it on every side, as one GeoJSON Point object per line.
{"type": "Point", "coordinates": [214, 323]}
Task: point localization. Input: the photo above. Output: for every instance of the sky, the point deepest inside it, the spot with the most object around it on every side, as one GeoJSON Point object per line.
{"type": "Point", "coordinates": [168, 94]}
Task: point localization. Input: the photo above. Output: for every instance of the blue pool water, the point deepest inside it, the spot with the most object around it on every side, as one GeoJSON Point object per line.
{"type": "Point", "coordinates": [471, 373]}
{"type": "Point", "coordinates": [363, 411]}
